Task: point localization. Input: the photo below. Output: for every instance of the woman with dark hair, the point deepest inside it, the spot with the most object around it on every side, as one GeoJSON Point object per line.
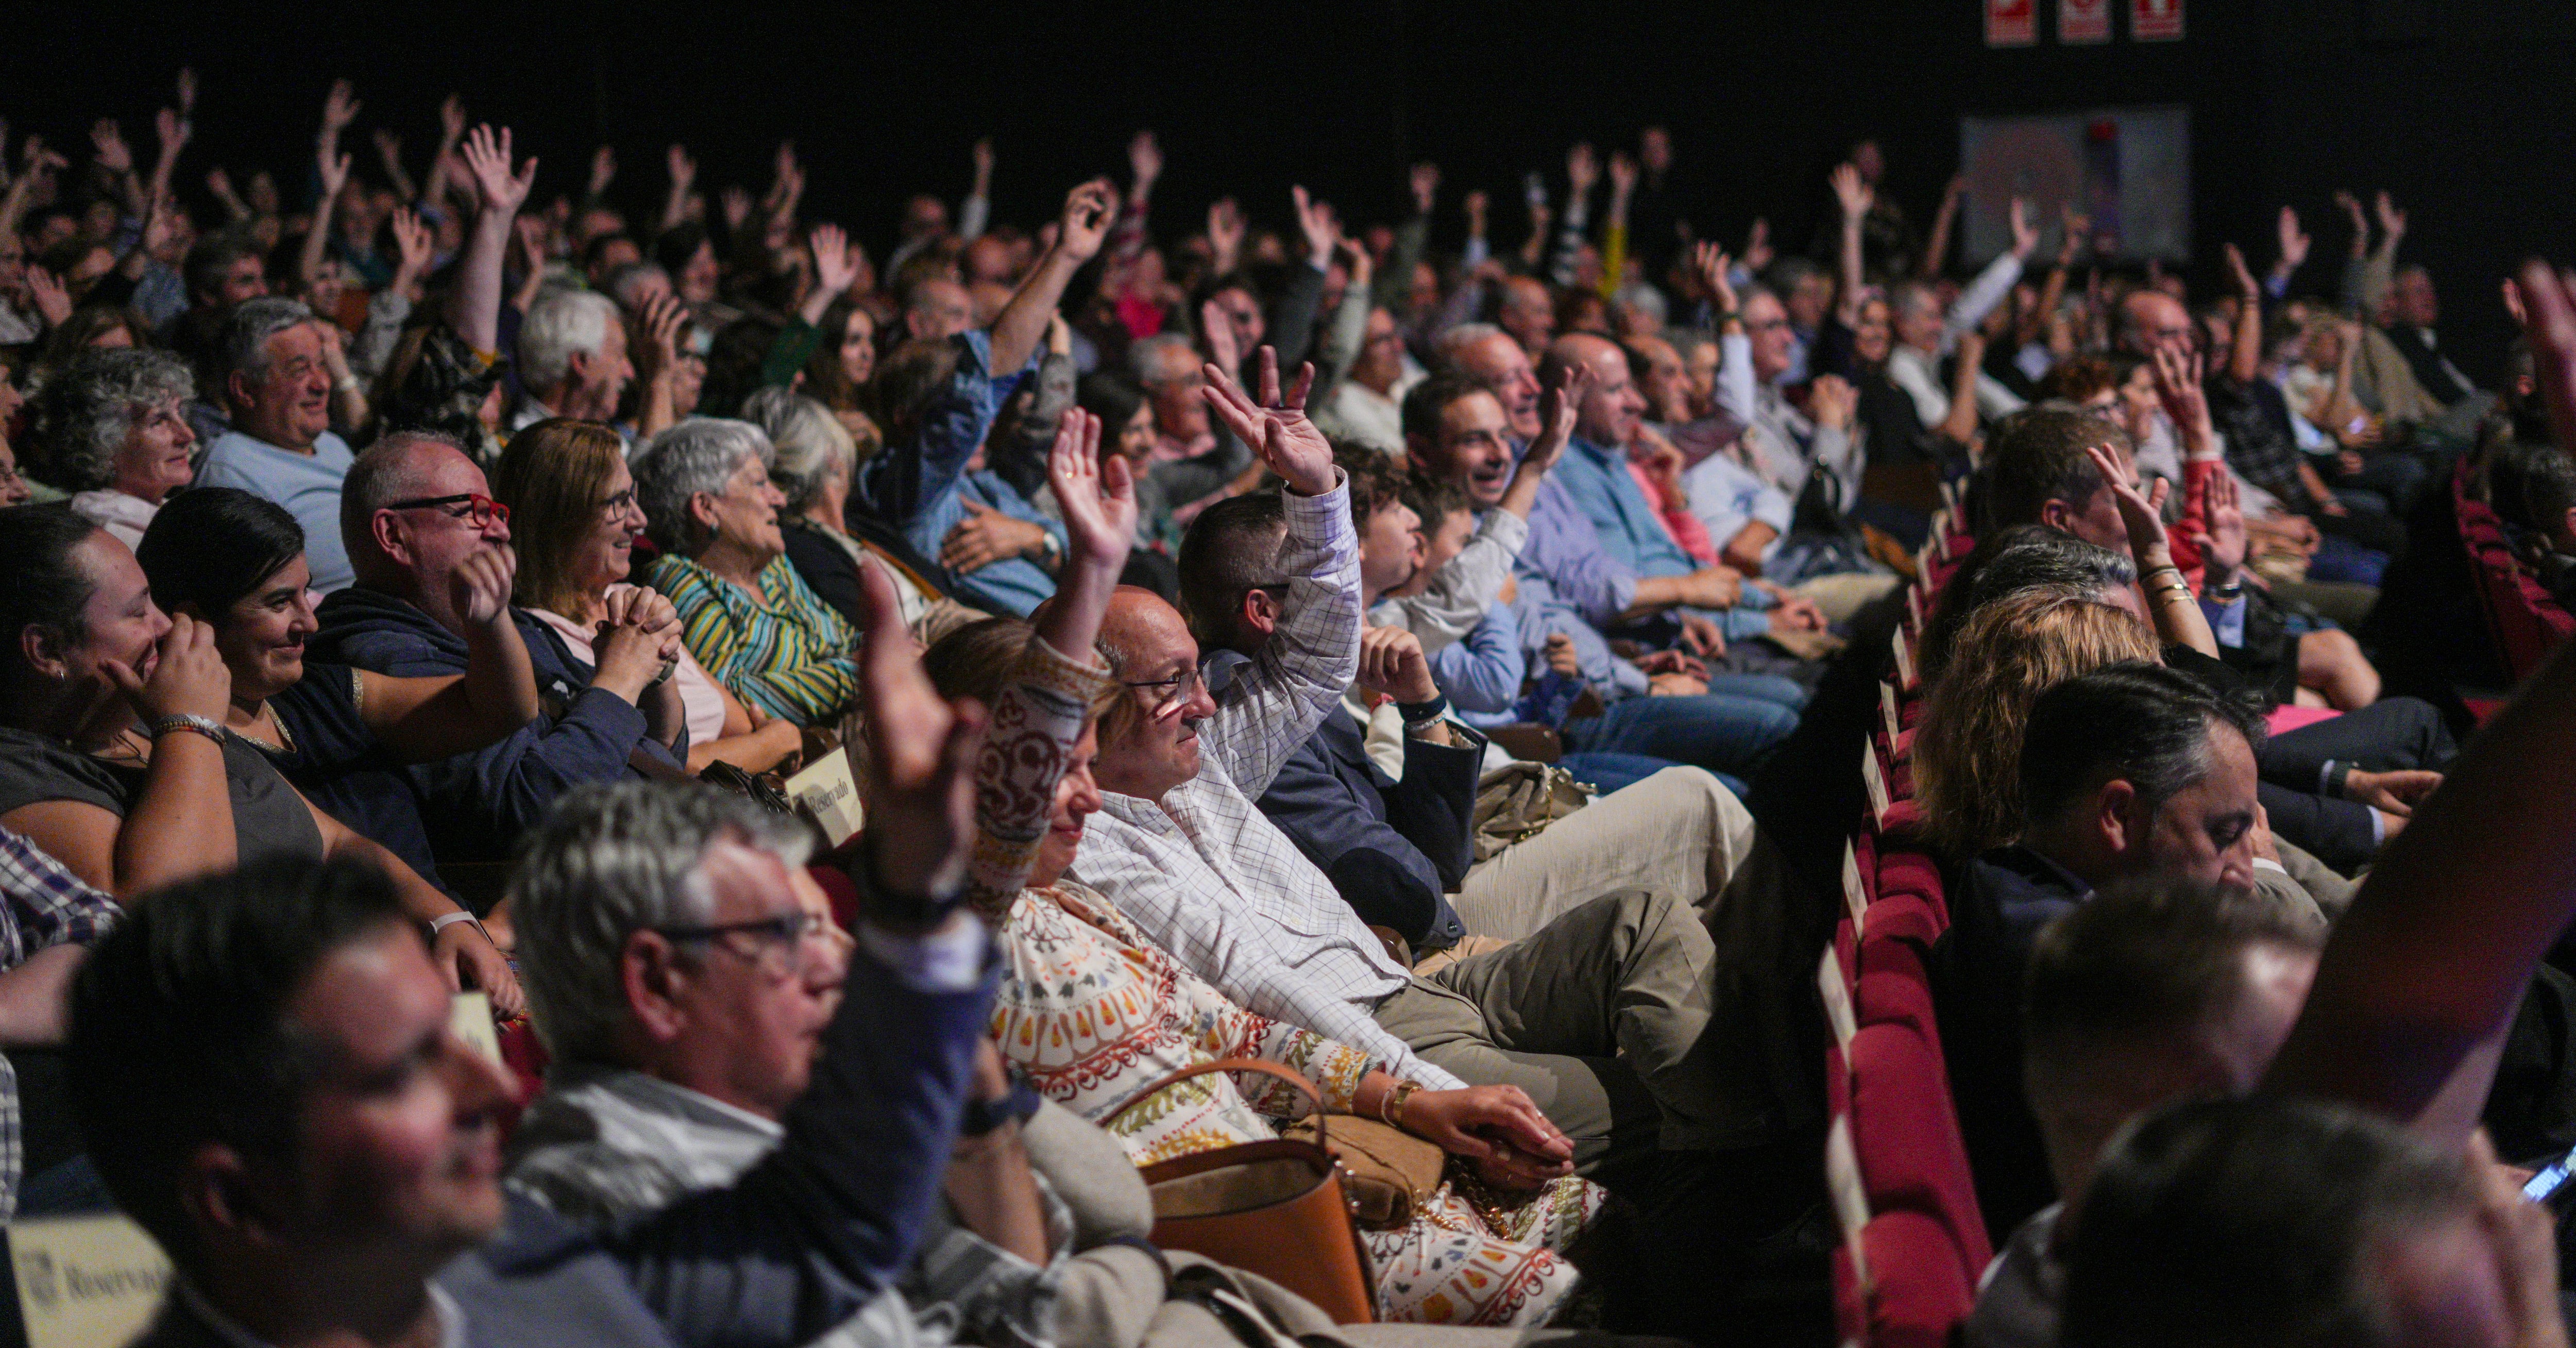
{"type": "Point", "coordinates": [131, 744]}
{"type": "Point", "coordinates": [573, 502]}
{"type": "Point", "coordinates": [235, 562]}
{"type": "Point", "coordinates": [837, 373]}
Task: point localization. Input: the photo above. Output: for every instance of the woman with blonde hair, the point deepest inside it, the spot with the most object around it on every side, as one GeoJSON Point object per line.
{"type": "Point", "coordinates": [1967, 751]}
{"type": "Point", "coordinates": [576, 520]}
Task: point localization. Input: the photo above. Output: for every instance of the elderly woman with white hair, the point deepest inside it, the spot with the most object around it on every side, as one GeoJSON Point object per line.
{"type": "Point", "coordinates": [744, 612]}
{"type": "Point", "coordinates": [112, 429]}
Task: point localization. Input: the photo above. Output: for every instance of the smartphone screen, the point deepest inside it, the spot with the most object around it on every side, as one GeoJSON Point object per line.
{"type": "Point", "coordinates": [2551, 1179]}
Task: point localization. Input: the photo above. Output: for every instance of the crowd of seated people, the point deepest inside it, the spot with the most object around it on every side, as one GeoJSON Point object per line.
{"type": "Point", "coordinates": [1382, 671]}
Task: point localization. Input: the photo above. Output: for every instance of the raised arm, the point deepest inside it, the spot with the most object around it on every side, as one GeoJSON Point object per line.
{"type": "Point", "coordinates": [2176, 611]}
{"type": "Point", "coordinates": [1854, 194]}
{"type": "Point", "coordinates": [2245, 354]}
{"type": "Point", "coordinates": [426, 719]}
{"type": "Point", "coordinates": [1089, 210]}
{"type": "Point", "coordinates": [2437, 949]}
{"type": "Point", "coordinates": [474, 298]}
{"type": "Point", "coordinates": [1945, 221]}
{"type": "Point", "coordinates": [331, 170]}
{"type": "Point", "coordinates": [451, 129]}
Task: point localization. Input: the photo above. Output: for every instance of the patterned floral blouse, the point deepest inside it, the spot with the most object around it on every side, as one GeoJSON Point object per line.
{"type": "Point", "coordinates": [1093, 1013]}
{"type": "Point", "coordinates": [785, 652]}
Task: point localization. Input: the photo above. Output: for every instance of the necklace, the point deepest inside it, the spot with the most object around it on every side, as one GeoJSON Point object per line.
{"type": "Point", "coordinates": [285, 745]}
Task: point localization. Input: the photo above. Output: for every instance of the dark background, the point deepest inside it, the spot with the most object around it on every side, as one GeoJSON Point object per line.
{"type": "Point", "coordinates": [2460, 108]}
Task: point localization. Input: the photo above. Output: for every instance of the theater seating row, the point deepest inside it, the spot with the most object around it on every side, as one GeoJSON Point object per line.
{"type": "Point", "coordinates": [1913, 1242]}
{"type": "Point", "coordinates": [2525, 621]}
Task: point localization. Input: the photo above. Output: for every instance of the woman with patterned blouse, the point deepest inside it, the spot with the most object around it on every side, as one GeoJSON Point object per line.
{"type": "Point", "coordinates": [744, 612]}
{"type": "Point", "coordinates": [1093, 1012]}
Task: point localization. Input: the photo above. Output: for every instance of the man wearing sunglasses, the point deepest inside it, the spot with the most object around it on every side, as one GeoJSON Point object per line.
{"type": "Point", "coordinates": [413, 510]}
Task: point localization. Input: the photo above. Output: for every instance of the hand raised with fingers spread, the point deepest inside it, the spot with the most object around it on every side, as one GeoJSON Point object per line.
{"type": "Point", "coordinates": [2392, 221]}
{"type": "Point", "coordinates": [1581, 169]}
{"type": "Point", "coordinates": [2143, 514]}
{"type": "Point", "coordinates": [1711, 264]}
{"type": "Point", "coordinates": [487, 158]}
{"type": "Point", "coordinates": [1098, 498]}
{"type": "Point", "coordinates": [1315, 223]}
{"type": "Point", "coordinates": [835, 267]}
{"type": "Point", "coordinates": [2247, 288]}
{"type": "Point", "coordinates": [2025, 235]}
{"type": "Point", "coordinates": [1225, 228]}
{"type": "Point", "coordinates": [108, 140]}
{"type": "Point", "coordinates": [2294, 242]}
{"type": "Point", "coordinates": [1218, 329]}
{"type": "Point", "coordinates": [2178, 387]}
{"type": "Point", "coordinates": [920, 786]}
{"type": "Point", "coordinates": [2223, 547]}
{"type": "Point", "coordinates": [1144, 158]}
{"type": "Point", "coordinates": [173, 130]}
{"type": "Point", "coordinates": [1276, 427]}
{"type": "Point", "coordinates": [339, 107]}
{"type": "Point", "coordinates": [1852, 192]}
{"type": "Point", "coordinates": [52, 301]}
{"type": "Point", "coordinates": [1757, 246]}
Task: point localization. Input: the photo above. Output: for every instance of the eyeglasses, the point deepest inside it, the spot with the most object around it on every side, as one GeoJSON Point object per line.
{"type": "Point", "coordinates": [1162, 695]}
{"type": "Point", "coordinates": [792, 936]}
{"type": "Point", "coordinates": [614, 508]}
{"type": "Point", "coordinates": [477, 509]}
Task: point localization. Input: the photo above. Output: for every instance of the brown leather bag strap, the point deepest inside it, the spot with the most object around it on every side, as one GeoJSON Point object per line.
{"type": "Point", "coordinates": [1230, 1065]}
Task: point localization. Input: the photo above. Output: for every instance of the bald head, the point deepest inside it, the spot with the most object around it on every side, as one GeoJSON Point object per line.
{"type": "Point", "coordinates": [1528, 312]}
{"type": "Point", "coordinates": [1611, 404]}
{"type": "Point", "coordinates": [2150, 319]}
{"type": "Point", "coordinates": [412, 552]}
{"type": "Point", "coordinates": [1498, 362]}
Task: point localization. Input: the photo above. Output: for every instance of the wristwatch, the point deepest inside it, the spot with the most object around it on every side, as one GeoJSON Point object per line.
{"type": "Point", "coordinates": [1415, 713]}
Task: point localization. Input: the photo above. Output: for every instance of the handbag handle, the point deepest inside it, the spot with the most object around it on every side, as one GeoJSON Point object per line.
{"type": "Point", "coordinates": [1230, 1065]}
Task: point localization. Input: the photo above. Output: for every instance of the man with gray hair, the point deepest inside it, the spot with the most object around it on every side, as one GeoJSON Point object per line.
{"type": "Point", "coordinates": [685, 1017]}
{"type": "Point", "coordinates": [415, 508]}
{"type": "Point", "coordinates": [572, 358]}
{"type": "Point", "coordinates": [1169, 369]}
{"type": "Point", "coordinates": [276, 386]}
{"type": "Point", "coordinates": [113, 428]}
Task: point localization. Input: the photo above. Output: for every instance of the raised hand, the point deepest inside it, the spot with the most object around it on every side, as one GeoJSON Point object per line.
{"type": "Point", "coordinates": [1276, 427]}
{"type": "Point", "coordinates": [603, 169]}
{"type": "Point", "coordinates": [1757, 246]}
{"type": "Point", "coordinates": [2294, 241]}
{"type": "Point", "coordinates": [1089, 210]}
{"type": "Point", "coordinates": [1392, 665]}
{"type": "Point", "coordinates": [835, 265]}
{"type": "Point", "coordinates": [683, 169]}
{"type": "Point", "coordinates": [1315, 222]}
{"type": "Point", "coordinates": [2025, 235]}
{"type": "Point", "coordinates": [2178, 387]}
{"type": "Point", "coordinates": [1476, 204]}
{"type": "Point", "coordinates": [1623, 174]}
{"type": "Point", "coordinates": [480, 586]}
{"type": "Point", "coordinates": [1225, 233]}
{"type": "Point", "coordinates": [1144, 160]}
{"type": "Point", "coordinates": [1852, 192]}
{"type": "Point", "coordinates": [1424, 179]}
{"type": "Point", "coordinates": [1581, 169]}
{"type": "Point", "coordinates": [735, 203]}
{"type": "Point", "coordinates": [1558, 406]}
{"type": "Point", "coordinates": [413, 242]}
{"type": "Point", "coordinates": [187, 90]}
{"type": "Point", "coordinates": [2246, 286]}
{"type": "Point", "coordinates": [388, 145]}
{"type": "Point", "coordinates": [920, 786]}
{"type": "Point", "coordinates": [1711, 264]}
{"type": "Point", "coordinates": [2513, 304]}
{"type": "Point", "coordinates": [2223, 545]}
{"type": "Point", "coordinates": [1218, 330]}
{"type": "Point", "coordinates": [2549, 303]}
{"type": "Point", "coordinates": [339, 108]}
{"type": "Point", "coordinates": [1098, 498]}
{"type": "Point", "coordinates": [658, 328]}
{"type": "Point", "coordinates": [2392, 221]}
{"type": "Point", "coordinates": [173, 131]}
{"type": "Point", "coordinates": [109, 141]}
{"type": "Point", "coordinates": [2078, 229]}
{"type": "Point", "coordinates": [189, 677]}
{"type": "Point", "coordinates": [487, 160]}
{"type": "Point", "coordinates": [53, 302]}
{"type": "Point", "coordinates": [2142, 513]}
{"type": "Point", "coordinates": [451, 119]}
{"type": "Point", "coordinates": [981, 153]}
{"type": "Point", "coordinates": [333, 168]}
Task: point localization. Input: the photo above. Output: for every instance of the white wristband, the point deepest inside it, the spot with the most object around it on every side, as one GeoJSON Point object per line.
{"type": "Point", "coordinates": [446, 920]}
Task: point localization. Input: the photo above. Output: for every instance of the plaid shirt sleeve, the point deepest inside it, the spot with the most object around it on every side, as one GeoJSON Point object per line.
{"type": "Point", "coordinates": [1278, 700]}
{"type": "Point", "coordinates": [46, 905]}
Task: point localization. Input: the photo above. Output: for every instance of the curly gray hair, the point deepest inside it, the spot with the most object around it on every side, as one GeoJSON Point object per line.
{"type": "Point", "coordinates": [811, 444]}
{"type": "Point", "coordinates": [610, 860]}
{"type": "Point", "coordinates": [86, 412]}
{"type": "Point", "coordinates": [698, 455]}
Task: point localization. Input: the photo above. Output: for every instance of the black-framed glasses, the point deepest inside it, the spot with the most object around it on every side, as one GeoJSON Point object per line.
{"type": "Point", "coordinates": [473, 507]}
{"type": "Point", "coordinates": [615, 507]}
{"type": "Point", "coordinates": [1161, 695]}
{"type": "Point", "coordinates": [793, 932]}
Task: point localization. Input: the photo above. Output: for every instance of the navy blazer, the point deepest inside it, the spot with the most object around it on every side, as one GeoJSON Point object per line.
{"type": "Point", "coordinates": [797, 1245]}
{"type": "Point", "coordinates": [1393, 849]}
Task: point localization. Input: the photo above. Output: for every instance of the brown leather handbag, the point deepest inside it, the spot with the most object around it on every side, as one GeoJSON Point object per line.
{"type": "Point", "coordinates": [1277, 1208]}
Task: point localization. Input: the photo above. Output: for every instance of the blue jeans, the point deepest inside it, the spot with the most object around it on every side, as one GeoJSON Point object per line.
{"type": "Point", "coordinates": [1613, 771]}
{"type": "Point", "coordinates": [1723, 732]}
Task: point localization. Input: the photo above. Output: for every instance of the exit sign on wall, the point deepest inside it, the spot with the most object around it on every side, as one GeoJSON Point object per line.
{"type": "Point", "coordinates": [2155, 20]}
{"type": "Point", "coordinates": [2083, 22]}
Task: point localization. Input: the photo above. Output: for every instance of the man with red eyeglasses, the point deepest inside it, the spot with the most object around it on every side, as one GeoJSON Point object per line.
{"type": "Point", "coordinates": [413, 509]}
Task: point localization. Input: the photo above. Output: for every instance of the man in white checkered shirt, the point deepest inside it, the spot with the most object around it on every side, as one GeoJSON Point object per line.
{"type": "Point", "coordinates": [1184, 853]}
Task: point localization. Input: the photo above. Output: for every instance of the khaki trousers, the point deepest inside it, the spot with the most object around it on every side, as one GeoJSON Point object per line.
{"type": "Point", "coordinates": [1679, 833]}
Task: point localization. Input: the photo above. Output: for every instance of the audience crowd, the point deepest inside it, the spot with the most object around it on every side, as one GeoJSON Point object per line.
{"type": "Point", "coordinates": [1425, 673]}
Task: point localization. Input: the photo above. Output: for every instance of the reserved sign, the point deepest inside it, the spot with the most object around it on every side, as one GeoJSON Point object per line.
{"type": "Point", "coordinates": [86, 1282]}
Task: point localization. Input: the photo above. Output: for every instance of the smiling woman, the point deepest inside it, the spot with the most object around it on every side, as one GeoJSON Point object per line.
{"type": "Point", "coordinates": [110, 428]}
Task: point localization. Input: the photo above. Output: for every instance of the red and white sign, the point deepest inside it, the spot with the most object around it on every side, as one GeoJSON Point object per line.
{"type": "Point", "coordinates": [2155, 20]}
{"type": "Point", "coordinates": [2083, 22]}
{"type": "Point", "coordinates": [2012, 23]}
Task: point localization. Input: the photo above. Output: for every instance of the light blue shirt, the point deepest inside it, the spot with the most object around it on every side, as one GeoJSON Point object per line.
{"type": "Point", "coordinates": [1725, 496]}
{"type": "Point", "coordinates": [1599, 484]}
{"type": "Point", "coordinates": [308, 485]}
